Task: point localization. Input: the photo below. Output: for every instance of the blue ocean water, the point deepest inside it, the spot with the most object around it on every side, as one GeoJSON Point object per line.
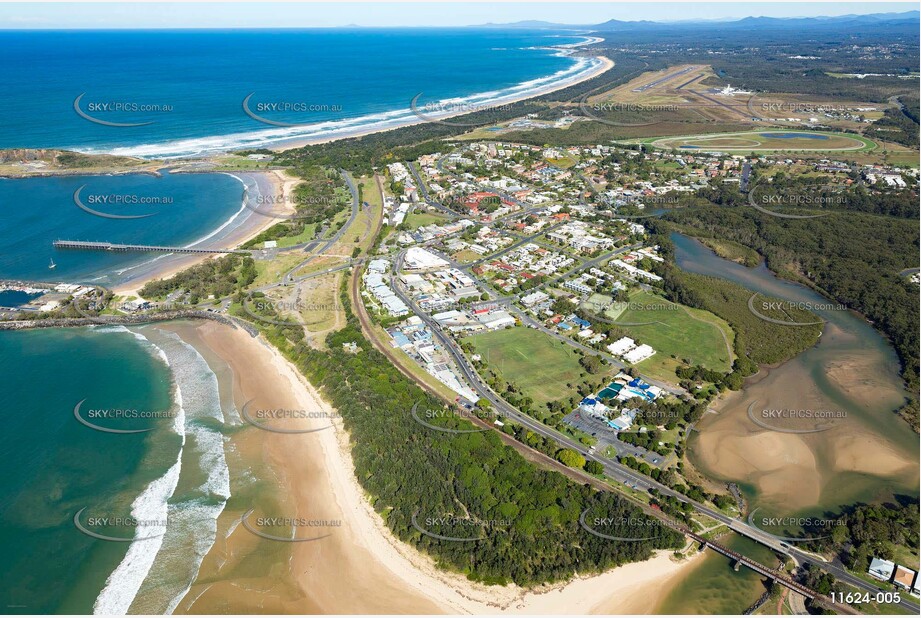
{"type": "Point", "coordinates": [190, 85]}
{"type": "Point", "coordinates": [59, 466]}
{"type": "Point", "coordinates": [156, 495]}
{"type": "Point", "coordinates": [183, 92]}
{"type": "Point", "coordinates": [38, 211]}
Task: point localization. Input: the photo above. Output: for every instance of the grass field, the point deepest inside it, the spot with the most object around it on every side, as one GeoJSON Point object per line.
{"type": "Point", "coordinates": [563, 163]}
{"type": "Point", "coordinates": [307, 234]}
{"type": "Point", "coordinates": [466, 255]}
{"type": "Point", "coordinates": [418, 219]}
{"type": "Point", "coordinates": [692, 334]}
{"type": "Point", "coordinates": [538, 364]}
{"type": "Point", "coordinates": [768, 141]}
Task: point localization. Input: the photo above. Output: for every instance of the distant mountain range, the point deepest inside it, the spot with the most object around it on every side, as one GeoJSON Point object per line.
{"type": "Point", "coordinates": [757, 24]}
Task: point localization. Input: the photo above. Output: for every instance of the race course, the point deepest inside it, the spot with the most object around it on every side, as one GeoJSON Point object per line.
{"type": "Point", "coordinates": [767, 141]}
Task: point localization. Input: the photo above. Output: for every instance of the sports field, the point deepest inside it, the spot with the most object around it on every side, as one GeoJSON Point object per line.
{"type": "Point", "coordinates": [418, 219]}
{"type": "Point", "coordinates": [692, 334]}
{"type": "Point", "coordinates": [537, 363]}
{"type": "Point", "coordinates": [767, 141]}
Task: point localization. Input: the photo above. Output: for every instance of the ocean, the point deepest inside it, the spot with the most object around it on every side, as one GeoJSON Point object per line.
{"type": "Point", "coordinates": [184, 209]}
{"type": "Point", "coordinates": [182, 92]}
{"type": "Point", "coordinates": [156, 495]}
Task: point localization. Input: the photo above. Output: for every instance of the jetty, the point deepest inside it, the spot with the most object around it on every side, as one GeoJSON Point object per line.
{"type": "Point", "coordinates": [84, 245]}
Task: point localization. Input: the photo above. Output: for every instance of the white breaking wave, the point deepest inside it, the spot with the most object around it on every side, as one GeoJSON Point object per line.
{"type": "Point", "coordinates": [125, 581]}
{"type": "Point", "coordinates": [342, 128]}
{"type": "Point", "coordinates": [193, 516]}
{"type": "Point", "coordinates": [151, 506]}
{"type": "Point", "coordinates": [163, 569]}
{"type": "Point", "coordinates": [210, 445]}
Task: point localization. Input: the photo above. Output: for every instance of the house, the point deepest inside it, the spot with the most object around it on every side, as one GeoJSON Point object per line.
{"type": "Point", "coordinates": [904, 577]}
{"type": "Point", "coordinates": [639, 353]}
{"type": "Point", "coordinates": [881, 569]}
{"type": "Point", "coordinates": [621, 346]}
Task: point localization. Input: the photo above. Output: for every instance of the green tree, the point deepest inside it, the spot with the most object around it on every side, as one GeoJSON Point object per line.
{"type": "Point", "coordinates": [570, 458]}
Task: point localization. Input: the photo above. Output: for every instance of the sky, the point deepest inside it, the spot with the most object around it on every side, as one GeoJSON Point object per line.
{"type": "Point", "coordinates": [24, 15]}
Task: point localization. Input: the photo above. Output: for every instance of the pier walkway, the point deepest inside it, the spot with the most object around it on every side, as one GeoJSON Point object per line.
{"type": "Point", "coordinates": [108, 246]}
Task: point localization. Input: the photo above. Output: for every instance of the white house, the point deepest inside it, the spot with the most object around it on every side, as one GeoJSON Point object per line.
{"type": "Point", "coordinates": [881, 569]}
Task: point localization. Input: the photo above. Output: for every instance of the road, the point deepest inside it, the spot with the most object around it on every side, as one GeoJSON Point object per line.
{"type": "Point", "coordinates": [527, 320]}
{"type": "Point", "coordinates": [326, 245]}
{"type": "Point", "coordinates": [348, 262]}
{"type": "Point", "coordinates": [523, 240]}
{"type": "Point", "coordinates": [746, 174]}
{"type": "Point", "coordinates": [745, 114]}
{"type": "Point", "coordinates": [606, 436]}
{"type": "Point", "coordinates": [655, 83]}
{"type": "Point", "coordinates": [424, 190]}
{"type": "Point", "coordinates": [604, 257]}
{"type": "Point", "coordinates": [613, 469]}
{"type": "Point", "coordinates": [523, 208]}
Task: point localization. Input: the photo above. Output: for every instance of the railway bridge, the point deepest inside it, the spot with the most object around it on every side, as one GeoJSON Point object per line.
{"type": "Point", "coordinates": [781, 578]}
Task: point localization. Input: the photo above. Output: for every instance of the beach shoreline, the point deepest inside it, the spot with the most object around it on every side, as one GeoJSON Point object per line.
{"type": "Point", "coordinates": [604, 64]}
{"type": "Point", "coordinates": [281, 181]}
{"type": "Point", "coordinates": [254, 223]}
{"type": "Point", "coordinates": [287, 136]}
{"type": "Point", "coordinates": [137, 160]}
{"type": "Point", "coordinates": [316, 472]}
{"type": "Point", "coordinates": [284, 183]}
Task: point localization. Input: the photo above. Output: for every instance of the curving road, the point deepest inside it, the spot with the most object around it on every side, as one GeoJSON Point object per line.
{"type": "Point", "coordinates": [326, 245]}
{"type": "Point", "coordinates": [613, 469]}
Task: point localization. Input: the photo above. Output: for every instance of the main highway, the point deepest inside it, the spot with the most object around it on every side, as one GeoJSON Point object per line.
{"type": "Point", "coordinates": [613, 469]}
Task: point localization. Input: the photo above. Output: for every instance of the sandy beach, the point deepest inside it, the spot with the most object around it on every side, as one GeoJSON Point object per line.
{"type": "Point", "coordinates": [254, 223]}
{"type": "Point", "coordinates": [283, 183]}
{"type": "Point", "coordinates": [604, 64]}
{"type": "Point", "coordinates": [361, 567]}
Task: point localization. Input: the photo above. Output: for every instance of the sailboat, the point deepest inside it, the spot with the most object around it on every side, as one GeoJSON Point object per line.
{"type": "Point", "coordinates": [52, 265]}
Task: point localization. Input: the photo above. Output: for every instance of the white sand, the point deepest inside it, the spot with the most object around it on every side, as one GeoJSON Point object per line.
{"type": "Point", "coordinates": [627, 589]}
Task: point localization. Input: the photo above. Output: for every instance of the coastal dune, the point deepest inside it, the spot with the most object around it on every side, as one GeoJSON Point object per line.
{"type": "Point", "coordinates": [601, 65]}
{"type": "Point", "coordinates": [336, 574]}
{"type": "Point", "coordinates": [361, 567]}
